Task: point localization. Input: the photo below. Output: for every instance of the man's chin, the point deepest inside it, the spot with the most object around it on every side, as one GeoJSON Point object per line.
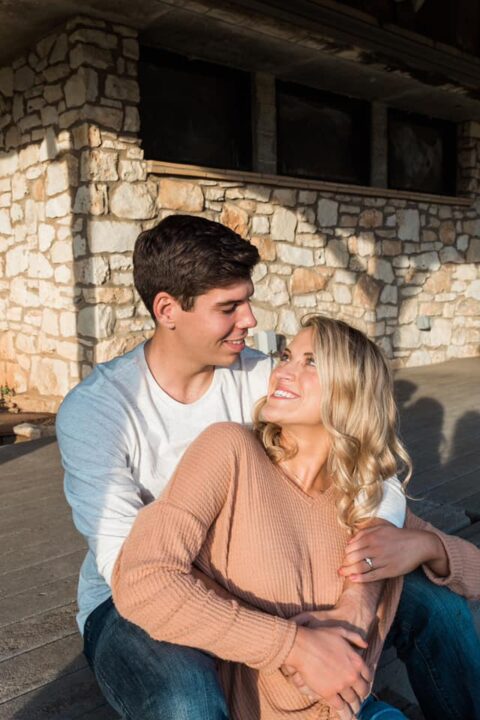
{"type": "Point", "coordinates": [227, 357]}
{"type": "Point", "coordinates": [234, 347]}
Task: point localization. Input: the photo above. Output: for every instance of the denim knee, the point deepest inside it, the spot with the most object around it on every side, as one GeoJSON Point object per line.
{"type": "Point", "coordinates": [423, 601]}
{"type": "Point", "coordinates": [198, 699]}
{"type": "Point", "coordinates": [144, 679]}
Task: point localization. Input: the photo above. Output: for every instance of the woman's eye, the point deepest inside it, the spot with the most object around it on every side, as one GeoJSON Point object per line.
{"type": "Point", "coordinates": [283, 357]}
{"type": "Point", "coordinates": [311, 361]}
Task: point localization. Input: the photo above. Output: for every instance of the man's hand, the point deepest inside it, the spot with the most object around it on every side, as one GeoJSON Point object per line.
{"type": "Point", "coordinates": [394, 552]}
{"type": "Point", "coordinates": [324, 663]}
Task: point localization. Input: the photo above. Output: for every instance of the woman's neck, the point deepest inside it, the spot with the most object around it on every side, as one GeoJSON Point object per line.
{"type": "Point", "coordinates": [309, 466]}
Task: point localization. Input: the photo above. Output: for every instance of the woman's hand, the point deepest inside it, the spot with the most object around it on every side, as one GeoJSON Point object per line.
{"type": "Point", "coordinates": [393, 552]}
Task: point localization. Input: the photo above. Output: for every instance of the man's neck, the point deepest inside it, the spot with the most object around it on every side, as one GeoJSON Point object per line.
{"type": "Point", "coordinates": [174, 372]}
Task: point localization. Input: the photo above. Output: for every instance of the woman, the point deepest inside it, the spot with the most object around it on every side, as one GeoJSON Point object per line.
{"type": "Point", "coordinates": [268, 516]}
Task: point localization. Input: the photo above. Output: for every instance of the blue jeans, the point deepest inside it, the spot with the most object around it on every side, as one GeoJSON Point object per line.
{"type": "Point", "coordinates": [435, 636]}
{"type": "Point", "coordinates": [143, 679]}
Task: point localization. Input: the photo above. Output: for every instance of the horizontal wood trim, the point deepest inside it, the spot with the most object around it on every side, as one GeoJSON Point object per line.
{"type": "Point", "coordinates": [156, 167]}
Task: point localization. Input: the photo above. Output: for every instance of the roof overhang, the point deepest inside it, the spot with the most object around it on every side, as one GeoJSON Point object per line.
{"type": "Point", "coordinates": [315, 42]}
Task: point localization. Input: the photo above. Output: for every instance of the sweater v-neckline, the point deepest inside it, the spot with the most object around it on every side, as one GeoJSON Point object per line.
{"type": "Point", "coordinates": [325, 496]}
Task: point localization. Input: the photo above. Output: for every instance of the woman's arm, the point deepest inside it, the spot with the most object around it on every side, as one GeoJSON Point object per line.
{"type": "Point", "coordinates": [153, 584]}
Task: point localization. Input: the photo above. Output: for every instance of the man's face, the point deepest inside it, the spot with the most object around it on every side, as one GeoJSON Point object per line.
{"type": "Point", "coordinates": [213, 332]}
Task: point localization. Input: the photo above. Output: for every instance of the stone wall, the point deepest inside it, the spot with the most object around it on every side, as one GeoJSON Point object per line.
{"type": "Point", "coordinates": [75, 193]}
{"type": "Point", "coordinates": [406, 273]}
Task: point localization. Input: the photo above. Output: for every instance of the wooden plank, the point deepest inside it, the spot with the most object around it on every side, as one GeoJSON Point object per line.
{"type": "Point", "coordinates": [38, 575]}
{"type": "Point", "coordinates": [40, 666]}
{"type": "Point", "coordinates": [38, 600]}
{"type": "Point", "coordinates": [37, 630]}
{"type": "Point", "coordinates": [471, 504]}
{"type": "Point", "coordinates": [12, 480]}
{"type": "Point", "coordinates": [25, 456]}
{"type": "Point", "coordinates": [43, 490]}
{"type": "Point", "coordinates": [32, 512]}
{"type": "Point", "coordinates": [47, 535]}
{"type": "Point", "coordinates": [105, 712]}
{"type": "Point", "coordinates": [33, 554]}
{"type": "Point", "coordinates": [457, 466]}
{"type": "Point", "coordinates": [69, 697]}
{"type": "Point", "coordinates": [456, 489]}
{"type": "Point", "coordinates": [471, 533]}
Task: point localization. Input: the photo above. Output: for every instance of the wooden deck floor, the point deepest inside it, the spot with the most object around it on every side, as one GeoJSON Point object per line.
{"type": "Point", "coordinates": [42, 672]}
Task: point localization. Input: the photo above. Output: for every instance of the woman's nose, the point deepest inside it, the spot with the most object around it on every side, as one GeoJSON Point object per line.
{"type": "Point", "coordinates": [289, 370]}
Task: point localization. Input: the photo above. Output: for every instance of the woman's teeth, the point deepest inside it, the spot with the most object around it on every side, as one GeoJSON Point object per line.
{"type": "Point", "coordinates": [284, 394]}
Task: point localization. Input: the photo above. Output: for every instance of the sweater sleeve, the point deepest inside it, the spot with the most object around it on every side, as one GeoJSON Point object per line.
{"type": "Point", "coordinates": [152, 582]}
{"type": "Point", "coordinates": [463, 560]}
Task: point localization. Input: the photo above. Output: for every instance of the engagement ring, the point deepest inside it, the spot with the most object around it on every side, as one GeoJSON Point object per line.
{"type": "Point", "coordinates": [369, 562]}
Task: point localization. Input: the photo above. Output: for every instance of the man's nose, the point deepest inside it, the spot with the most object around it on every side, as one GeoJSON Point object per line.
{"type": "Point", "coordinates": [247, 318]}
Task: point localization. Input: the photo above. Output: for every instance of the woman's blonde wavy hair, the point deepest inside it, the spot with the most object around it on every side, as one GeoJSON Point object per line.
{"type": "Point", "coordinates": [359, 412]}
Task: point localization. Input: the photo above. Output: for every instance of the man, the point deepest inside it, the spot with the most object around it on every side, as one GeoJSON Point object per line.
{"type": "Point", "coordinates": [121, 433]}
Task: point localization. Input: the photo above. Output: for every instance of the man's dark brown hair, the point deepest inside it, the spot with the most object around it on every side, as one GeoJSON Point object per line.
{"type": "Point", "coordinates": [186, 256]}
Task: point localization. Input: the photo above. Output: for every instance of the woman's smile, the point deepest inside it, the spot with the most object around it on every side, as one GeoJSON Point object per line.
{"type": "Point", "coordinates": [283, 394]}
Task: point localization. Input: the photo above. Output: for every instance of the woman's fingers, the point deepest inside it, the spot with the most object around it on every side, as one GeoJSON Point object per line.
{"type": "Point", "coordinates": [358, 568]}
{"type": "Point", "coordinates": [361, 534]}
{"type": "Point", "coordinates": [371, 576]}
{"type": "Point", "coordinates": [357, 554]}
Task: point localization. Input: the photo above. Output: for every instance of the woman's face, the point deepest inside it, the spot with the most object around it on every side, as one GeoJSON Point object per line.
{"type": "Point", "coordinates": [294, 389]}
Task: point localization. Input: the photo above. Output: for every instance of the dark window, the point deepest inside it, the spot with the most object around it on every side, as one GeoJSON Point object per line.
{"type": "Point", "coordinates": [421, 153]}
{"type": "Point", "coordinates": [321, 135]}
{"type": "Point", "coordinates": [194, 112]}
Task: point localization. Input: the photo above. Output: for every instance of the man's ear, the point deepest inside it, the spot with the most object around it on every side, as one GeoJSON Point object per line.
{"type": "Point", "coordinates": [166, 309]}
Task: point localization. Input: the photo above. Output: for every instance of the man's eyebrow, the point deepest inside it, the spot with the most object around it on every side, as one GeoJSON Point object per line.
{"type": "Point", "coordinates": [227, 302]}
{"type": "Point", "coordinates": [234, 301]}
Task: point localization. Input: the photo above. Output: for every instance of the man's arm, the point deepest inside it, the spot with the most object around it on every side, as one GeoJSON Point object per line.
{"type": "Point", "coordinates": [99, 486]}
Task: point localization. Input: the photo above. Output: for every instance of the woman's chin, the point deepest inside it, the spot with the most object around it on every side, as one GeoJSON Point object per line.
{"type": "Point", "coordinates": [271, 415]}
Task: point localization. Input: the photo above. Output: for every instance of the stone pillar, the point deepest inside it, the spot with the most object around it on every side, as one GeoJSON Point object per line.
{"type": "Point", "coordinates": [379, 145]}
{"type": "Point", "coordinates": [73, 192]}
{"type": "Point", "coordinates": [114, 195]}
{"type": "Point", "coordinates": [264, 124]}
{"type": "Point", "coordinates": [38, 172]}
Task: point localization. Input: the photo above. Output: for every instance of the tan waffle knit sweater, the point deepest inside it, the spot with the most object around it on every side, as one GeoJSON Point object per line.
{"type": "Point", "coordinates": [234, 514]}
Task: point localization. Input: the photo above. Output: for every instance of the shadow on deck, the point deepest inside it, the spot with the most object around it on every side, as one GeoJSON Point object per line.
{"type": "Point", "coordinates": [43, 674]}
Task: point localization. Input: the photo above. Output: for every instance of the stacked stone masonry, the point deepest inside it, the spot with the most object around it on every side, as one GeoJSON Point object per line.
{"type": "Point", "coordinates": [75, 193]}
